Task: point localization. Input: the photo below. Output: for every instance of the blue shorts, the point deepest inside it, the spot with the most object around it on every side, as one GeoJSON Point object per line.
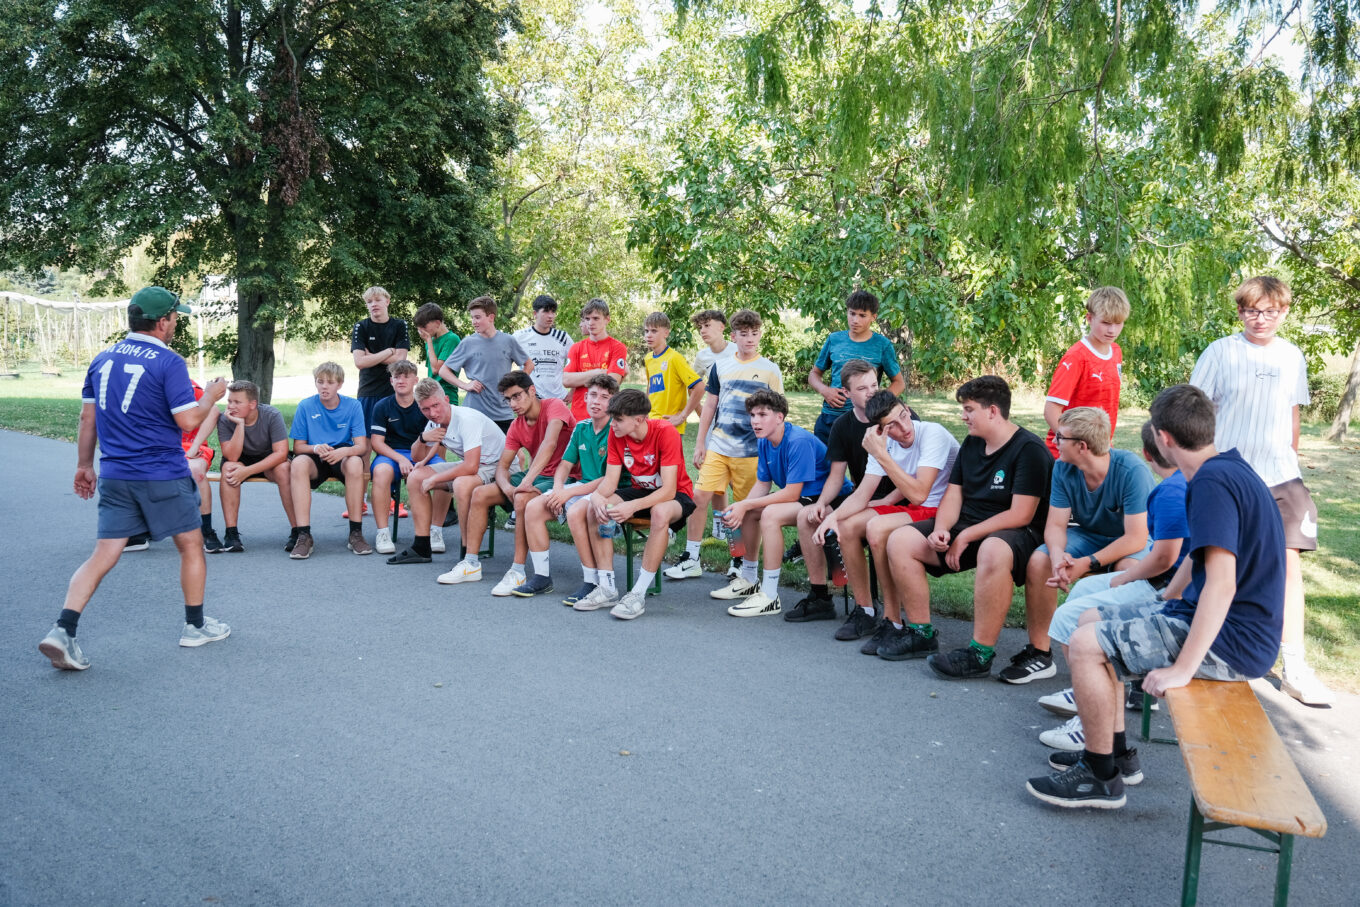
{"type": "Point", "coordinates": [158, 507]}
{"type": "Point", "coordinates": [379, 459]}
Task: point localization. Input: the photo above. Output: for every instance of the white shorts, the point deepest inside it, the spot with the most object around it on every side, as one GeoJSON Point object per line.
{"type": "Point", "coordinates": [486, 473]}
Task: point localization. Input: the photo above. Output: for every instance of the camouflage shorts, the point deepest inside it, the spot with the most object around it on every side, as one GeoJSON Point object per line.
{"type": "Point", "coordinates": [1136, 642]}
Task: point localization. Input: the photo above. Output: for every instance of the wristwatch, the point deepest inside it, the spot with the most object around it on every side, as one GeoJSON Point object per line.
{"type": "Point", "coordinates": [1095, 562]}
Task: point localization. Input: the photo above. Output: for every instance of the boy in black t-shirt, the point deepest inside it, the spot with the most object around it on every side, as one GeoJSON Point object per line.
{"type": "Point", "coordinates": [377, 342]}
{"type": "Point", "coordinates": [396, 425]}
{"type": "Point", "coordinates": [991, 518]}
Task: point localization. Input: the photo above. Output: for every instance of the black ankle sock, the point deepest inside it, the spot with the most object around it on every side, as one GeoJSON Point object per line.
{"type": "Point", "coordinates": [193, 614]}
{"type": "Point", "coordinates": [206, 520]}
{"type": "Point", "coordinates": [820, 591]}
{"type": "Point", "coordinates": [421, 545]}
{"type": "Point", "coordinates": [1101, 764]}
{"type": "Point", "coordinates": [302, 530]}
{"type": "Point", "coordinates": [1121, 743]}
{"type": "Point", "coordinates": [68, 620]}
{"type": "Point", "coordinates": [356, 526]}
{"type": "Point", "coordinates": [231, 530]}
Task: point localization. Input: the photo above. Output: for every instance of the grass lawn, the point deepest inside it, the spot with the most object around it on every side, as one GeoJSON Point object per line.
{"type": "Point", "coordinates": [50, 406]}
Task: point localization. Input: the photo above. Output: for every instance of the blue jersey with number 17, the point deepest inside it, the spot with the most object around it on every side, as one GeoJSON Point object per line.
{"type": "Point", "coordinates": [136, 386]}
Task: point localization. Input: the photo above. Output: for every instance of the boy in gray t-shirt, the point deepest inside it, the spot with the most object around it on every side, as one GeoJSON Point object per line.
{"type": "Point", "coordinates": [485, 356]}
{"type": "Point", "coordinates": [254, 441]}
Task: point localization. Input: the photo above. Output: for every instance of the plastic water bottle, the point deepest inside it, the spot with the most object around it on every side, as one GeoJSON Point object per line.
{"type": "Point", "coordinates": [609, 530]}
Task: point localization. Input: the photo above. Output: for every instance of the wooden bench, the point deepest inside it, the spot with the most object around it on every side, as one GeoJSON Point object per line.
{"type": "Point", "coordinates": [1241, 776]}
{"type": "Point", "coordinates": [635, 530]}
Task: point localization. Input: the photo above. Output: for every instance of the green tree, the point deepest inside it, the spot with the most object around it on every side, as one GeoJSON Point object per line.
{"type": "Point", "coordinates": [307, 149]}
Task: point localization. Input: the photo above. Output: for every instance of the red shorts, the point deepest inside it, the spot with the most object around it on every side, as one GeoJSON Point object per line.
{"type": "Point", "coordinates": [916, 513]}
{"type": "Point", "coordinates": [205, 451]}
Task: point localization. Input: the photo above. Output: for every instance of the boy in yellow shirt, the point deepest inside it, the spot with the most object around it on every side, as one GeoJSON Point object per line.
{"type": "Point", "coordinates": [673, 386]}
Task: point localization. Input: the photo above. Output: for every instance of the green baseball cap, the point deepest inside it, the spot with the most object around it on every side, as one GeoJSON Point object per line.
{"type": "Point", "coordinates": [157, 302]}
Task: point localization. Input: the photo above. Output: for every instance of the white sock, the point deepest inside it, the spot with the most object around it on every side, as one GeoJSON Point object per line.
{"type": "Point", "coordinates": [1293, 656]}
{"type": "Point", "coordinates": [517, 569]}
{"type": "Point", "coordinates": [896, 625]}
{"type": "Point", "coordinates": [748, 571]}
{"type": "Point", "coordinates": [643, 581]}
{"type": "Point", "coordinates": [607, 581]}
{"type": "Point", "coordinates": [692, 550]}
{"type": "Point", "coordinates": [472, 559]}
{"type": "Point", "coordinates": [769, 584]}
{"type": "Point", "coordinates": [590, 575]}
{"type": "Point", "coordinates": [868, 611]}
{"type": "Point", "coordinates": [540, 559]}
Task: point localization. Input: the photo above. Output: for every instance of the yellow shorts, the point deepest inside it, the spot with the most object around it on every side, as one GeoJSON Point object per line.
{"type": "Point", "coordinates": [718, 472]}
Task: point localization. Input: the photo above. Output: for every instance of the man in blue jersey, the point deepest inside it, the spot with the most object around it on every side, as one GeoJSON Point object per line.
{"type": "Point", "coordinates": [136, 402]}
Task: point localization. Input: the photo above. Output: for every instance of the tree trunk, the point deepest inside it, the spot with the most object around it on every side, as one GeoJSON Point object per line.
{"type": "Point", "coordinates": [254, 359]}
{"type": "Point", "coordinates": [1341, 424]}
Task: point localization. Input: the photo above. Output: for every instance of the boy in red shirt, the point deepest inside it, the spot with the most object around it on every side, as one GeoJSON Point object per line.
{"type": "Point", "coordinates": [651, 452]}
{"type": "Point", "coordinates": [594, 354]}
{"type": "Point", "coordinates": [1091, 370]}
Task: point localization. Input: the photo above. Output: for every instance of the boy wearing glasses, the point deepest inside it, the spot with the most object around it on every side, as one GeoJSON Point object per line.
{"type": "Point", "coordinates": [1257, 382]}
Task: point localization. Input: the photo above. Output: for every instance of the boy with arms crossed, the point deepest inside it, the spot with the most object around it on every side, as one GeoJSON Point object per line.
{"type": "Point", "coordinates": [1092, 369]}
{"type": "Point", "coordinates": [254, 442]}
{"type": "Point", "coordinates": [594, 354]}
{"type": "Point", "coordinates": [330, 441]}
{"type": "Point", "coordinates": [485, 356]}
{"type": "Point", "coordinates": [377, 342]}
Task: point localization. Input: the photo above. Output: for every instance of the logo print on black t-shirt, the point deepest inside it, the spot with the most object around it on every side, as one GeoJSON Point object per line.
{"type": "Point", "coordinates": [999, 480]}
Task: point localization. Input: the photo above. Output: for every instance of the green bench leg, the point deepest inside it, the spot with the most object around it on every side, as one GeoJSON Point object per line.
{"type": "Point", "coordinates": [1283, 867]}
{"type": "Point", "coordinates": [629, 535]}
{"type": "Point", "coordinates": [1147, 723]}
{"type": "Point", "coordinates": [1194, 841]}
{"type": "Point", "coordinates": [489, 535]}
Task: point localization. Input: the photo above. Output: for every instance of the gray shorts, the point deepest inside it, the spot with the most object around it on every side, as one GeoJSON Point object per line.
{"type": "Point", "coordinates": [485, 472]}
{"type": "Point", "coordinates": [562, 517]}
{"type": "Point", "coordinates": [159, 507]}
{"type": "Point", "coordinates": [1136, 642]}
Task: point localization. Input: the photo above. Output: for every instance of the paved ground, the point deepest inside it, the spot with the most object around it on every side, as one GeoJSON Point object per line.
{"type": "Point", "coordinates": [367, 736]}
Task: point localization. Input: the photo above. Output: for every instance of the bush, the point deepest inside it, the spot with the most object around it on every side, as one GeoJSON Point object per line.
{"type": "Point", "coordinates": [1325, 391]}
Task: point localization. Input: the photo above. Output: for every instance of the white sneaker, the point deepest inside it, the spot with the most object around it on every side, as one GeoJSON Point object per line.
{"type": "Point", "coordinates": [689, 568]}
{"type": "Point", "coordinates": [597, 599]}
{"type": "Point", "coordinates": [629, 607]}
{"type": "Point", "coordinates": [734, 571]}
{"type": "Point", "coordinates": [512, 580]}
{"type": "Point", "coordinates": [383, 543]}
{"type": "Point", "coordinates": [758, 605]}
{"type": "Point", "coordinates": [437, 539]}
{"type": "Point", "coordinates": [463, 572]}
{"type": "Point", "coordinates": [1303, 685]}
{"type": "Point", "coordinates": [1063, 702]}
{"type": "Point", "coordinates": [211, 631]}
{"type": "Point", "coordinates": [737, 590]}
{"type": "Point", "coordinates": [1068, 738]}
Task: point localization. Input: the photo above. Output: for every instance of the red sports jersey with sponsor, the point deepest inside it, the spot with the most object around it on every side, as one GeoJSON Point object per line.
{"type": "Point", "coordinates": [642, 460]}
{"type": "Point", "coordinates": [609, 354]}
{"type": "Point", "coordinates": [1085, 378]}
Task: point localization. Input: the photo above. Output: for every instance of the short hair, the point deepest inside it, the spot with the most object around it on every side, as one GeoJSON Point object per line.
{"type": "Point", "coordinates": [768, 399]}
{"type": "Point", "coordinates": [595, 305]}
{"type": "Point", "coordinates": [485, 303]}
{"type": "Point", "coordinates": [1150, 448]}
{"type": "Point", "coordinates": [374, 292]}
{"type": "Point", "coordinates": [139, 323]}
{"type": "Point", "coordinates": [745, 320]}
{"type": "Point", "coordinates": [402, 367]}
{"type": "Point", "coordinates": [880, 404]}
{"type": "Point", "coordinates": [604, 382]}
{"type": "Point", "coordinates": [430, 311]}
{"type": "Point", "coordinates": [427, 388]}
{"type": "Point", "coordinates": [854, 368]}
{"type": "Point", "coordinates": [988, 390]}
{"type": "Point", "coordinates": [515, 378]}
{"type": "Point", "coordinates": [862, 301]}
{"type": "Point", "coordinates": [1109, 304]}
{"type": "Point", "coordinates": [657, 320]}
{"type": "Point", "coordinates": [331, 370]}
{"type": "Point", "coordinates": [544, 303]}
{"type": "Point", "coordinates": [1185, 413]}
{"type": "Point", "coordinates": [630, 402]}
{"type": "Point", "coordinates": [1271, 289]}
{"type": "Point", "coordinates": [242, 386]}
{"type": "Point", "coordinates": [708, 315]}
{"type": "Point", "coordinates": [1089, 425]}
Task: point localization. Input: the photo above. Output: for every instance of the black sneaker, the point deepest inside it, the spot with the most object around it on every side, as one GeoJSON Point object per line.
{"type": "Point", "coordinates": [534, 585]}
{"type": "Point", "coordinates": [586, 589]}
{"type": "Point", "coordinates": [292, 540]}
{"type": "Point", "coordinates": [960, 664]}
{"type": "Point", "coordinates": [409, 556]}
{"type": "Point", "coordinates": [793, 554]}
{"type": "Point", "coordinates": [211, 543]}
{"type": "Point", "coordinates": [908, 643]}
{"type": "Point", "coordinates": [232, 542]}
{"type": "Point", "coordinates": [138, 543]}
{"type": "Point", "coordinates": [1128, 766]}
{"type": "Point", "coordinates": [883, 629]}
{"type": "Point", "coordinates": [1029, 664]}
{"type": "Point", "coordinates": [811, 608]}
{"type": "Point", "coordinates": [857, 626]}
{"type": "Point", "coordinates": [1134, 701]}
{"type": "Point", "coordinates": [1077, 787]}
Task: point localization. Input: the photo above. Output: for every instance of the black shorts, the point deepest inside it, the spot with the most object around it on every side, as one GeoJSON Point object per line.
{"type": "Point", "coordinates": [807, 499]}
{"type": "Point", "coordinates": [1298, 513]}
{"type": "Point", "coordinates": [324, 470]}
{"type": "Point", "coordinates": [250, 459]}
{"type": "Point", "coordinates": [1022, 543]}
{"type": "Point", "coordinates": [685, 501]}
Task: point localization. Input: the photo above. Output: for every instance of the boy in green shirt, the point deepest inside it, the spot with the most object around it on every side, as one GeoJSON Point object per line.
{"type": "Point", "coordinates": [439, 343]}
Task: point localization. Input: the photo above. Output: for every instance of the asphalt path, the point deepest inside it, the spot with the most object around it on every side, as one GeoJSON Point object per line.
{"type": "Point", "coordinates": [368, 736]}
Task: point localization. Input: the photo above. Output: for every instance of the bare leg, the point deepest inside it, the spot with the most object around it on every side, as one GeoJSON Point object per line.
{"type": "Point", "coordinates": [853, 532]}
{"type": "Point", "coordinates": [580, 534]}
{"type": "Point", "coordinates": [535, 522]}
{"type": "Point", "coordinates": [814, 556]}
{"type": "Point", "coordinates": [1099, 694]}
{"type": "Point", "coordinates": [908, 554]}
{"type": "Point", "coordinates": [230, 497]}
{"type": "Point", "coordinates": [1041, 599]}
{"type": "Point", "coordinates": [304, 470]}
{"type": "Point", "coordinates": [773, 519]}
{"type": "Point", "coordinates": [281, 476]}
{"type": "Point", "coordinates": [658, 538]}
{"type": "Point", "coordinates": [992, 585]}
{"type": "Point", "coordinates": [879, 529]}
{"type": "Point", "coordinates": [353, 468]}
{"type": "Point", "coordinates": [522, 499]}
{"type": "Point", "coordinates": [88, 575]}
{"type": "Point", "coordinates": [382, 493]}
{"type": "Point", "coordinates": [193, 567]}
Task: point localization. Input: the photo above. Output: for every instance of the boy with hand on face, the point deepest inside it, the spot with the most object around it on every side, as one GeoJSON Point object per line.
{"type": "Point", "coordinates": [254, 442]}
{"type": "Point", "coordinates": [439, 343]}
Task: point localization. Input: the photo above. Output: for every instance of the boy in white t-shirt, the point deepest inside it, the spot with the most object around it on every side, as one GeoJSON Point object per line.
{"type": "Point", "coordinates": [1258, 381]}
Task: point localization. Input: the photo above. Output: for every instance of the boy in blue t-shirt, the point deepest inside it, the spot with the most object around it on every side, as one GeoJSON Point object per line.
{"type": "Point", "coordinates": [859, 341]}
{"type": "Point", "coordinates": [793, 459]}
{"type": "Point", "coordinates": [330, 441]}
{"type": "Point", "coordinates": [1222, 620]}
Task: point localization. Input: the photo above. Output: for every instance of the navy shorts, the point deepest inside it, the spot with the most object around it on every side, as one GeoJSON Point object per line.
{"type": "Point", "coordinates": [156, 507]}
